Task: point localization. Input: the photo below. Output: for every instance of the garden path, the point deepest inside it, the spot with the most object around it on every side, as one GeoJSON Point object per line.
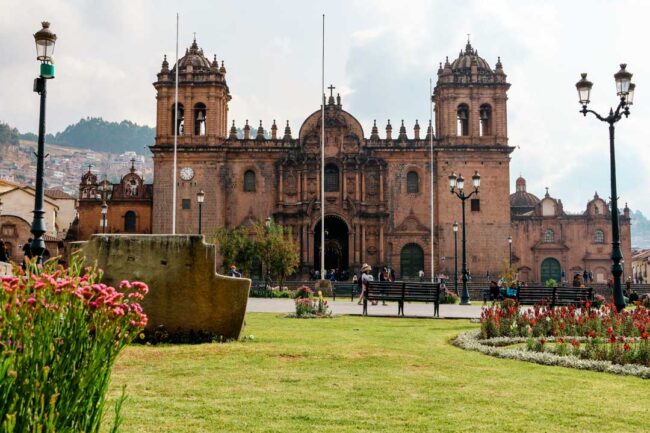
{"type": "Point", "coordinates": [447, 311]}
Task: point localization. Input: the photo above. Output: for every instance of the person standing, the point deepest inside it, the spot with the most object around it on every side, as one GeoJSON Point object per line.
{"type": "Point", "coordinates": [421, 275]}
{"type": "Point", "coordinates": [4, 257]}
{"type": "Point", "coordinates": [363, 281]}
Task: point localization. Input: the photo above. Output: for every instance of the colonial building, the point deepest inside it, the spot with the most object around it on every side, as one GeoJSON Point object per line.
{"type": "Point", "coordinates": [16, 214]}
{"type": "Point", "coordinates": [127, 203]}
{"type": "Point", "coordinates": [550, 243]}
{"type": "Point", "coordinates": [377, 186]}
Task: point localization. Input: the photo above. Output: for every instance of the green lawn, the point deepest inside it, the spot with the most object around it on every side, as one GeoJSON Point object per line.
{"type": "Point", "coordinates": [364, 375]}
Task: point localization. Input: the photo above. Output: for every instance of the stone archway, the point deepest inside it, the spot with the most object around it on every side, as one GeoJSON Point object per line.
{"type": "Point", "coordinates": [336, 243]}
{"type": "Point", "coordinates": [411, 261]}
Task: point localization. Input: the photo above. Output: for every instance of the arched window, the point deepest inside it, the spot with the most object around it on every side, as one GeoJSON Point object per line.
{"type": "Point", "coordinates": [331, 178]}
{"type": "Point", "coordinates": [181, 119]}
{"type": "Point", "coordinates": [485, 126]}
{"type": "Point", "coordinates": [599, 236]}
{"type": "Point", "coordinates": [412, 182]}
{"type": "Point", "coordinates": [549, 236]}
{"type": "Point", "coordinates": [200, 113]}
{"type": "Point", "coordinates": [463, 120]}
{"type": "Point", "coordinates": [130, 222]}
{"type": "Point", "coordinates": [249, 181]}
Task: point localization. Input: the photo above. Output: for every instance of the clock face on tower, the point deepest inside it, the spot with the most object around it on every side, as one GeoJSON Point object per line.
{"type": "Point", "coordinates": [187, 173]}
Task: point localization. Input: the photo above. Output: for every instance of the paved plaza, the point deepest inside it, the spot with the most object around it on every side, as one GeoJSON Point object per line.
{"type": "Point", "coordinates": [340, 306]}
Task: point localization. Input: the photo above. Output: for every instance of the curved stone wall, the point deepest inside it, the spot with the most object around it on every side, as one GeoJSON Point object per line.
{"type": "Point", "coordinates": [186, 295]}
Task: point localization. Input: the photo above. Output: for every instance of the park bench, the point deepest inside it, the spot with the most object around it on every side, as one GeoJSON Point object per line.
{"type": "Point", "coordinates": [345, 289]}
{"type": "Point", "coordinates": [554, 296]}
{"type": "Point", "coordinates": [401, 292]}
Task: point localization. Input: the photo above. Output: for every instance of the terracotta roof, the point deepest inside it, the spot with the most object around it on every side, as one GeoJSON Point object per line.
{"type": "Point", "coordinates": [58, 194]}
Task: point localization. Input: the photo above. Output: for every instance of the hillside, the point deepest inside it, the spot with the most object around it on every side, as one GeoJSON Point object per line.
{"type": "Point", "coordinates": [94, 133]}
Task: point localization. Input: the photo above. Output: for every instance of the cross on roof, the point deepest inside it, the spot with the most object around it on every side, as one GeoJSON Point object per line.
{"type": "Point", "coordinates": [331, 87]}
{"type": "Point", "coordinates": [89, 167]}
{"type": "Point", "coordinates": [132, 164]}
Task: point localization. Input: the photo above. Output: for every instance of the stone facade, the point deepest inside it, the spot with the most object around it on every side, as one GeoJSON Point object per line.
{"type": "Point", "coordinates": [128, 203]}
{"type": "Point", "coordinates": [549, 243]}
{"type": "Point", "coordinates": [377, 188]}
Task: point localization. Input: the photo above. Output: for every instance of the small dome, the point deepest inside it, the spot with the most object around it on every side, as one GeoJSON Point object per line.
{"type": "Point", "coordinates": [521, 201]}
{"type": "Point", "coordinates": [465, 58]}
{"type": "Point", "coordinates": [194, 56]}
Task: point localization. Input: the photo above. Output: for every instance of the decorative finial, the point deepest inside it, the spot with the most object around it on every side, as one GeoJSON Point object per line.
{"type": "Point", "coordinates": [287, 132]}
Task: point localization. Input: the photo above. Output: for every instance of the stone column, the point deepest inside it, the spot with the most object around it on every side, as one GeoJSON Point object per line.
{"type": "Point", "coordinates": [363, 243]}
{"type": "Point", "coordinates": [381, 241]}
{"type": "Point", "coordinates": [280, 185]}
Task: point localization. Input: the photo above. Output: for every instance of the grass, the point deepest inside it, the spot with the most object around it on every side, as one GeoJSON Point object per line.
{"type": "Point", "coordinates": [356, 374]}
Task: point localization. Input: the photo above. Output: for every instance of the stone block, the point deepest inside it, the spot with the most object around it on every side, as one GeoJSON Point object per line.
{"type": "Point", "coordinates": [186, 295]}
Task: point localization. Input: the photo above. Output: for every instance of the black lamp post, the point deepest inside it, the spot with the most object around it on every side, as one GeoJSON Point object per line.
{"type": "Point", "coordinates": [457, 185]}
{"type": "Point", "coordinates": [104, 216]}
{"type": "Point", "coordinates": [625, 91]}
{"type": "Point", "coordinates": [455, 226]}
{"type": "Point", "coordinates": [45, 41]}
{"type": "Point", "coordinates": [509, 251]}
{"type": "Point", "coordinates": [200, 197]}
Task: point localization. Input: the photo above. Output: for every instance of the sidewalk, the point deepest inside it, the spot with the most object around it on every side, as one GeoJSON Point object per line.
{"type": "Point", "coordinates": [416, 309]}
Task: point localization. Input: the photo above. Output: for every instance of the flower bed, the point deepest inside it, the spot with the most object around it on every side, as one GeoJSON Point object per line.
{"type": "Point", "coordinates": [60, 333]}
{"type": "Point", "coordinates": [471, 340]}
{"type": "Point", "coordinates": [308, 306]}
{"type": "Point", "coordinates": [583, 336]}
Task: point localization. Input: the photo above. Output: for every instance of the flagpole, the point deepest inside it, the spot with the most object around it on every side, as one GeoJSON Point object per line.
{"type": "Point", "coordinates": [431, 177]}
{"type": "Point", "coordinates": [322, 161]}
{"type": "Point", "coordinates": [175, 136]}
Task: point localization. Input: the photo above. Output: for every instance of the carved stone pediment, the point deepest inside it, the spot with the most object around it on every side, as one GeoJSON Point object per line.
{"type": "Point", "coordinates": [411, 224]}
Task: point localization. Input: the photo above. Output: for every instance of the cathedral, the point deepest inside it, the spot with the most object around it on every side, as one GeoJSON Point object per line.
{"type": "Point", "coordinates": [377, 186]}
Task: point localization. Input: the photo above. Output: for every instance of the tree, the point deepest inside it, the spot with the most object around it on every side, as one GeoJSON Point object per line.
{"type": "Point", "coordinates": [236, 247]}
{"type": "Point", "coordinates": [273, 245]}
{"type": "Point", "coordinates": [8, 135]}
{"type": "Point", "coordinates": [277, 250]}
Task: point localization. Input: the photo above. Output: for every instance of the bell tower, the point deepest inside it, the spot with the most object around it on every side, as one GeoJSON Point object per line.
{"type": "Point", "coordinates": [203, 97]}
{"type": "Point", "coordinates": [472, 136]}
{"type": "Point", "coordinates": [470, 101]}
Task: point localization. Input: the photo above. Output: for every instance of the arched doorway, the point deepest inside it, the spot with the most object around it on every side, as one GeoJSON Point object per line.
{"type": "Point", "coordinates": [336, 244]}
{"type": "Point", "coordinates": [550, 269]}
{"type": "Point", "coordinates": [411, 261]}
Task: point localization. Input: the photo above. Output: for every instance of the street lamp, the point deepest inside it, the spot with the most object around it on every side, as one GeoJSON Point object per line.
{"type": "Point", "coordinates": [45, 41]}
{"type": "Point", "coordinates": [625, 91]}
{"type": "Point", "coordinates": [455, 227]}
{"type": "Point", "coordinates": [457, 187]}
{"type": "Point", "coordinates": [104, 216]}
{"type": "Point", "coordinates": [509, 251]}
{"type": "Point", "coordinates": [200, 197]}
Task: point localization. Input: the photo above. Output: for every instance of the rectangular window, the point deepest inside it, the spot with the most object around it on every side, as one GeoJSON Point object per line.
{"type": "Point", "coordinates": [476, 205]}
{"type": "Point", "coordinates": [187, 203]}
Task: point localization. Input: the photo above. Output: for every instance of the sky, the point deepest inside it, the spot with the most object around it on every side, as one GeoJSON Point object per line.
{"type": "Point", "coordinates": [380, 56]}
